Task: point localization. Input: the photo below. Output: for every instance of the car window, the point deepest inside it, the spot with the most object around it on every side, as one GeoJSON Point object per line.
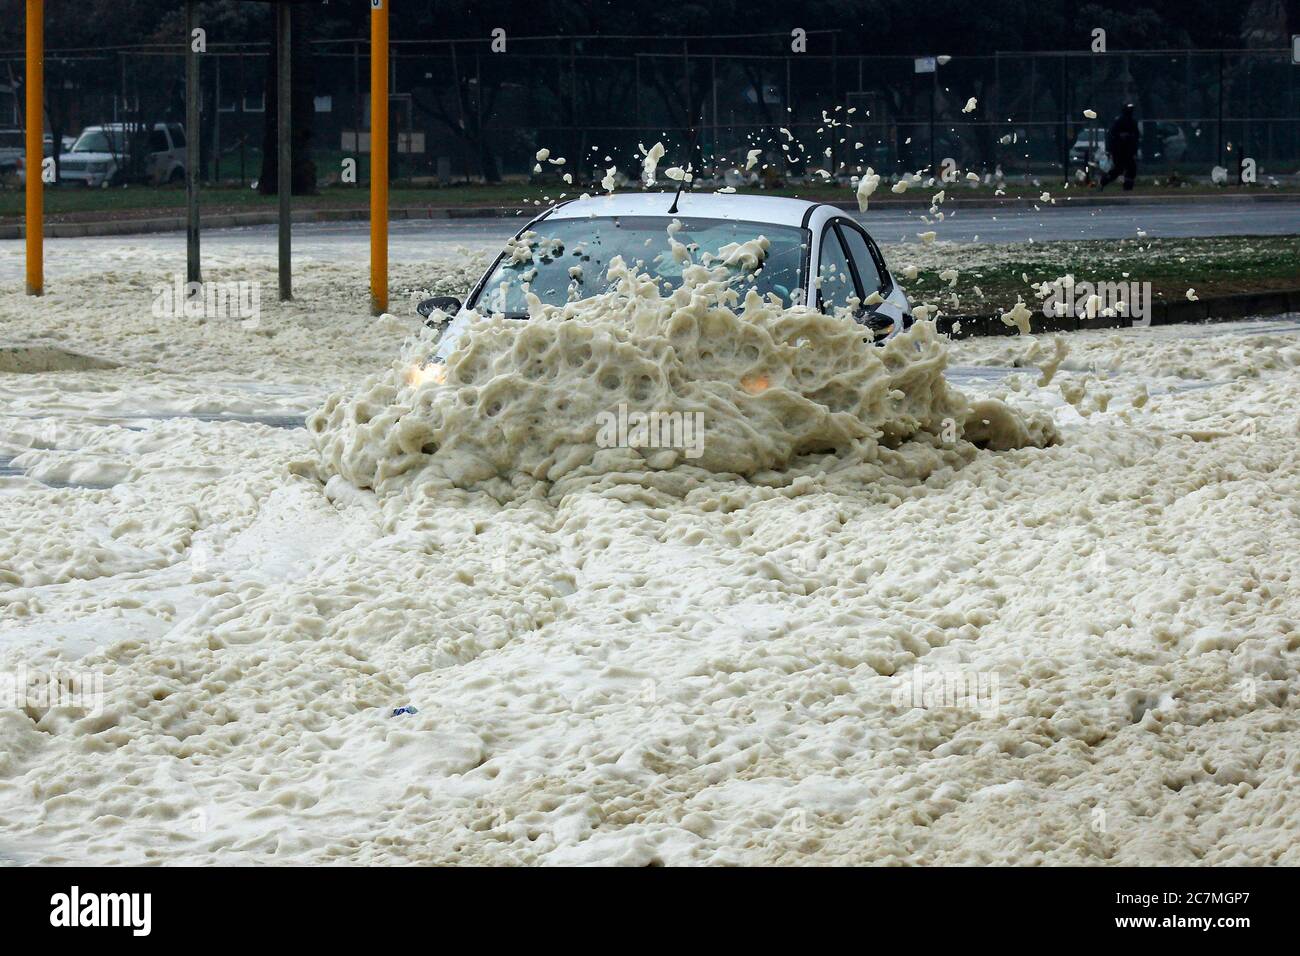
{"type": "Point", "coordinates": [158, 141]}
{"type": "Point", "coordinates": [835, 280]}
{"type": "Point", "coordinates": [178, 135]}
{"type": "Point", "coordinates": [565, 260]}
{"type": "Point", "coordinates": [868, 273]}
{"type": "Point", "coordinates": [95, 141]}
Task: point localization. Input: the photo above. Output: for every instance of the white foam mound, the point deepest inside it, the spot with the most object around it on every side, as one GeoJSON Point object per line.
{"type": "Point", "coordinates": [737, 387]}
{"type": "Point", "coordinates": [31, 359]}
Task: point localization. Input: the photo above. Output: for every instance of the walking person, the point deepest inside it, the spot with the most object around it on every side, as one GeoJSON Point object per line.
{"type": "Point", "coordinates": [1122, 143]}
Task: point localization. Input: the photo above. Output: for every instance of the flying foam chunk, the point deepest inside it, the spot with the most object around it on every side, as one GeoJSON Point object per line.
{"type": "Point", "coordinates": [866, 186]}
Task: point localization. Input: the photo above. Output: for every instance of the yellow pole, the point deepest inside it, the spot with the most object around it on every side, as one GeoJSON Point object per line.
{"type": "Point", "coordinates": [35, 152]}
{"type": "Point", "coordinates": [378, 156]}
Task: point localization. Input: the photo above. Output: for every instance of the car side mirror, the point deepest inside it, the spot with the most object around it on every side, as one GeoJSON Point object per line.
{"type": "Point", "coordinates": [880, 324]}
{"type": "Point", "coordinates": [447, 303]}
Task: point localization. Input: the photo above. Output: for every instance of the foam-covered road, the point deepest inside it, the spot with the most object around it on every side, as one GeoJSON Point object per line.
{"type": "Point", "coordinates": [350, 642]}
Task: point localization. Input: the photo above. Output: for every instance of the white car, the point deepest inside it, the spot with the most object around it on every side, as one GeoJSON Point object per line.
{"type": "Point", "coordinates": [590, 232]}
{"type": "Point", "coordinates": [13, 151]}
{"type": "Point", "coordinates": [1090, 147]}
{"type": "Point", "coordinates": [99, 157]}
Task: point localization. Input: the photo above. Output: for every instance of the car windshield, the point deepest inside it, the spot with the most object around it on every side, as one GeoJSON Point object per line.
{"type": "Point", "coordinates": [564, 260]}
{"type": "Point", "coordinates": [95, 141]}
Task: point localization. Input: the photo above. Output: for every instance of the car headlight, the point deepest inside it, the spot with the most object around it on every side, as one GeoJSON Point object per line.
{"type": "Point", "coordinates": [430, 370]}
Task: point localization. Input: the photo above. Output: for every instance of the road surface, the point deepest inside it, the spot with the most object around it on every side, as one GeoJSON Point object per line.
{"type": "Point", "coordinates": [1017, 223]}
{"type": "Point", "coordinates": [415, 240]}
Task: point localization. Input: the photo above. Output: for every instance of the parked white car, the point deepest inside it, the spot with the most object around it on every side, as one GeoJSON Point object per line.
{"type": "Point", "coordinates": [13, 152]}
{"type": "Point", "coordinates": [1161, 142]}
{"type": "Point", "coordinates": [13, 148]}
{"type": "Point", "coordinates": [1089, 147]}
{"type": "Point", "coordinates": [99, 157]}
{"type": "Point", "coordinates": [1166, 141]}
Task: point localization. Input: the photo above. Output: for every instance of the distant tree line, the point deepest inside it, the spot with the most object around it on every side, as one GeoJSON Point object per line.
{"type": "Point", "coordinates": [906, 27]}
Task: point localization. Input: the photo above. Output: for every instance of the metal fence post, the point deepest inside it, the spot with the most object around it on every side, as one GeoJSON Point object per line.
{"type": "Point", "coordinates": [713, 83]}
{"type": "Point", "coordinates": [193, 154]}
{"type": "Point", "coordinates": [934, 95]}
{"type": "Point", "coordinates": [1065, 118]}
{"type": "Point", "coordinates": [216, 120]}
{"type": "Point", "coordinates": [1219, 124]}
{"type": "Point", "coordinates": [243, 129]}
{"type": "Point", "coordinates": [284, 133]}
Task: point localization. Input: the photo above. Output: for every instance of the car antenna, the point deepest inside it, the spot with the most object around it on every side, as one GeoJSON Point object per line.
{"type": "Point", "coordinates": [690, 151]}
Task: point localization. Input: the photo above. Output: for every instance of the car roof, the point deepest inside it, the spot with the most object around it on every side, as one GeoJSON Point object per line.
{"type": "Point", "coordinates": [778, 210]}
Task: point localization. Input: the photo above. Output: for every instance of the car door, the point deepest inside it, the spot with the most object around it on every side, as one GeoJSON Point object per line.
{"type": "Point", "coordinates": [844, 239]}
{"type": "Point", "coordinates": [865, 259]}
{"type": "Point", "coordinates": [178, 152]}
{"type": "Point", "coordinates": [837, 286]}
{"type": "Point", "coordinates": [159, 146]}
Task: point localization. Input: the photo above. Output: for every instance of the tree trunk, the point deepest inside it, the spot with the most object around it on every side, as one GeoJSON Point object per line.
{"type": "Point", "coordinates": [487, 161]}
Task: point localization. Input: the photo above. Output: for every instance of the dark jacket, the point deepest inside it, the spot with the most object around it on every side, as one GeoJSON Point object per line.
{"type": "Point", "coordinates": [1124, 136]}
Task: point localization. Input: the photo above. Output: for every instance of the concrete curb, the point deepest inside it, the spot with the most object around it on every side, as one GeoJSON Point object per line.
{"type": "Point", "coordinates": [126, 227]}
{"type": "Point", "coordinates": [1219, 308]}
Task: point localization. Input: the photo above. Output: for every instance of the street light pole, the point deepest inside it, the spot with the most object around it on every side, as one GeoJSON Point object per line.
{"type": "Point", "coordinates": [35, 220]}
{"type": "Point", "coordinates": [379, 156]}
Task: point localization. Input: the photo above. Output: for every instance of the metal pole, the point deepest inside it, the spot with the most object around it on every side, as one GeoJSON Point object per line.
{"type": "Point", "coordinates": [243, 124]}
{"type": "Point", "coordinates": [997, 102]}
{"type": "Point", "coordinates": [934, 95]}
{"type": "Point", "coordinates": [378, 157]}
{"type": "Point", "coordinates": [284, 133]}
{"type": "Point", "coordinates": [835, 95]}
{"type": "Point", "coordinates": [1244, 145]}
{"type": "Point", "coordinates": [575, 144]}
{"type": "Point", "coordinates": [192, 152]}
{"type": "Point", "coordinates": [216, 122]}
{"type": "Point", "coordinates": [686, 75]}
{"type": "Point", "coordinates": [713, 82]}
{"type": "Point", "coordinates": [1065, 117]}
{"type": "Point", "coordinates": [358, 108]}
{"type": "Point", "coordinates": [35, 154]}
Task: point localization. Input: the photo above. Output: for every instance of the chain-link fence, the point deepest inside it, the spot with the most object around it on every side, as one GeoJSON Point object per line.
{"type": "Point", "coordinates": [460, 112]}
